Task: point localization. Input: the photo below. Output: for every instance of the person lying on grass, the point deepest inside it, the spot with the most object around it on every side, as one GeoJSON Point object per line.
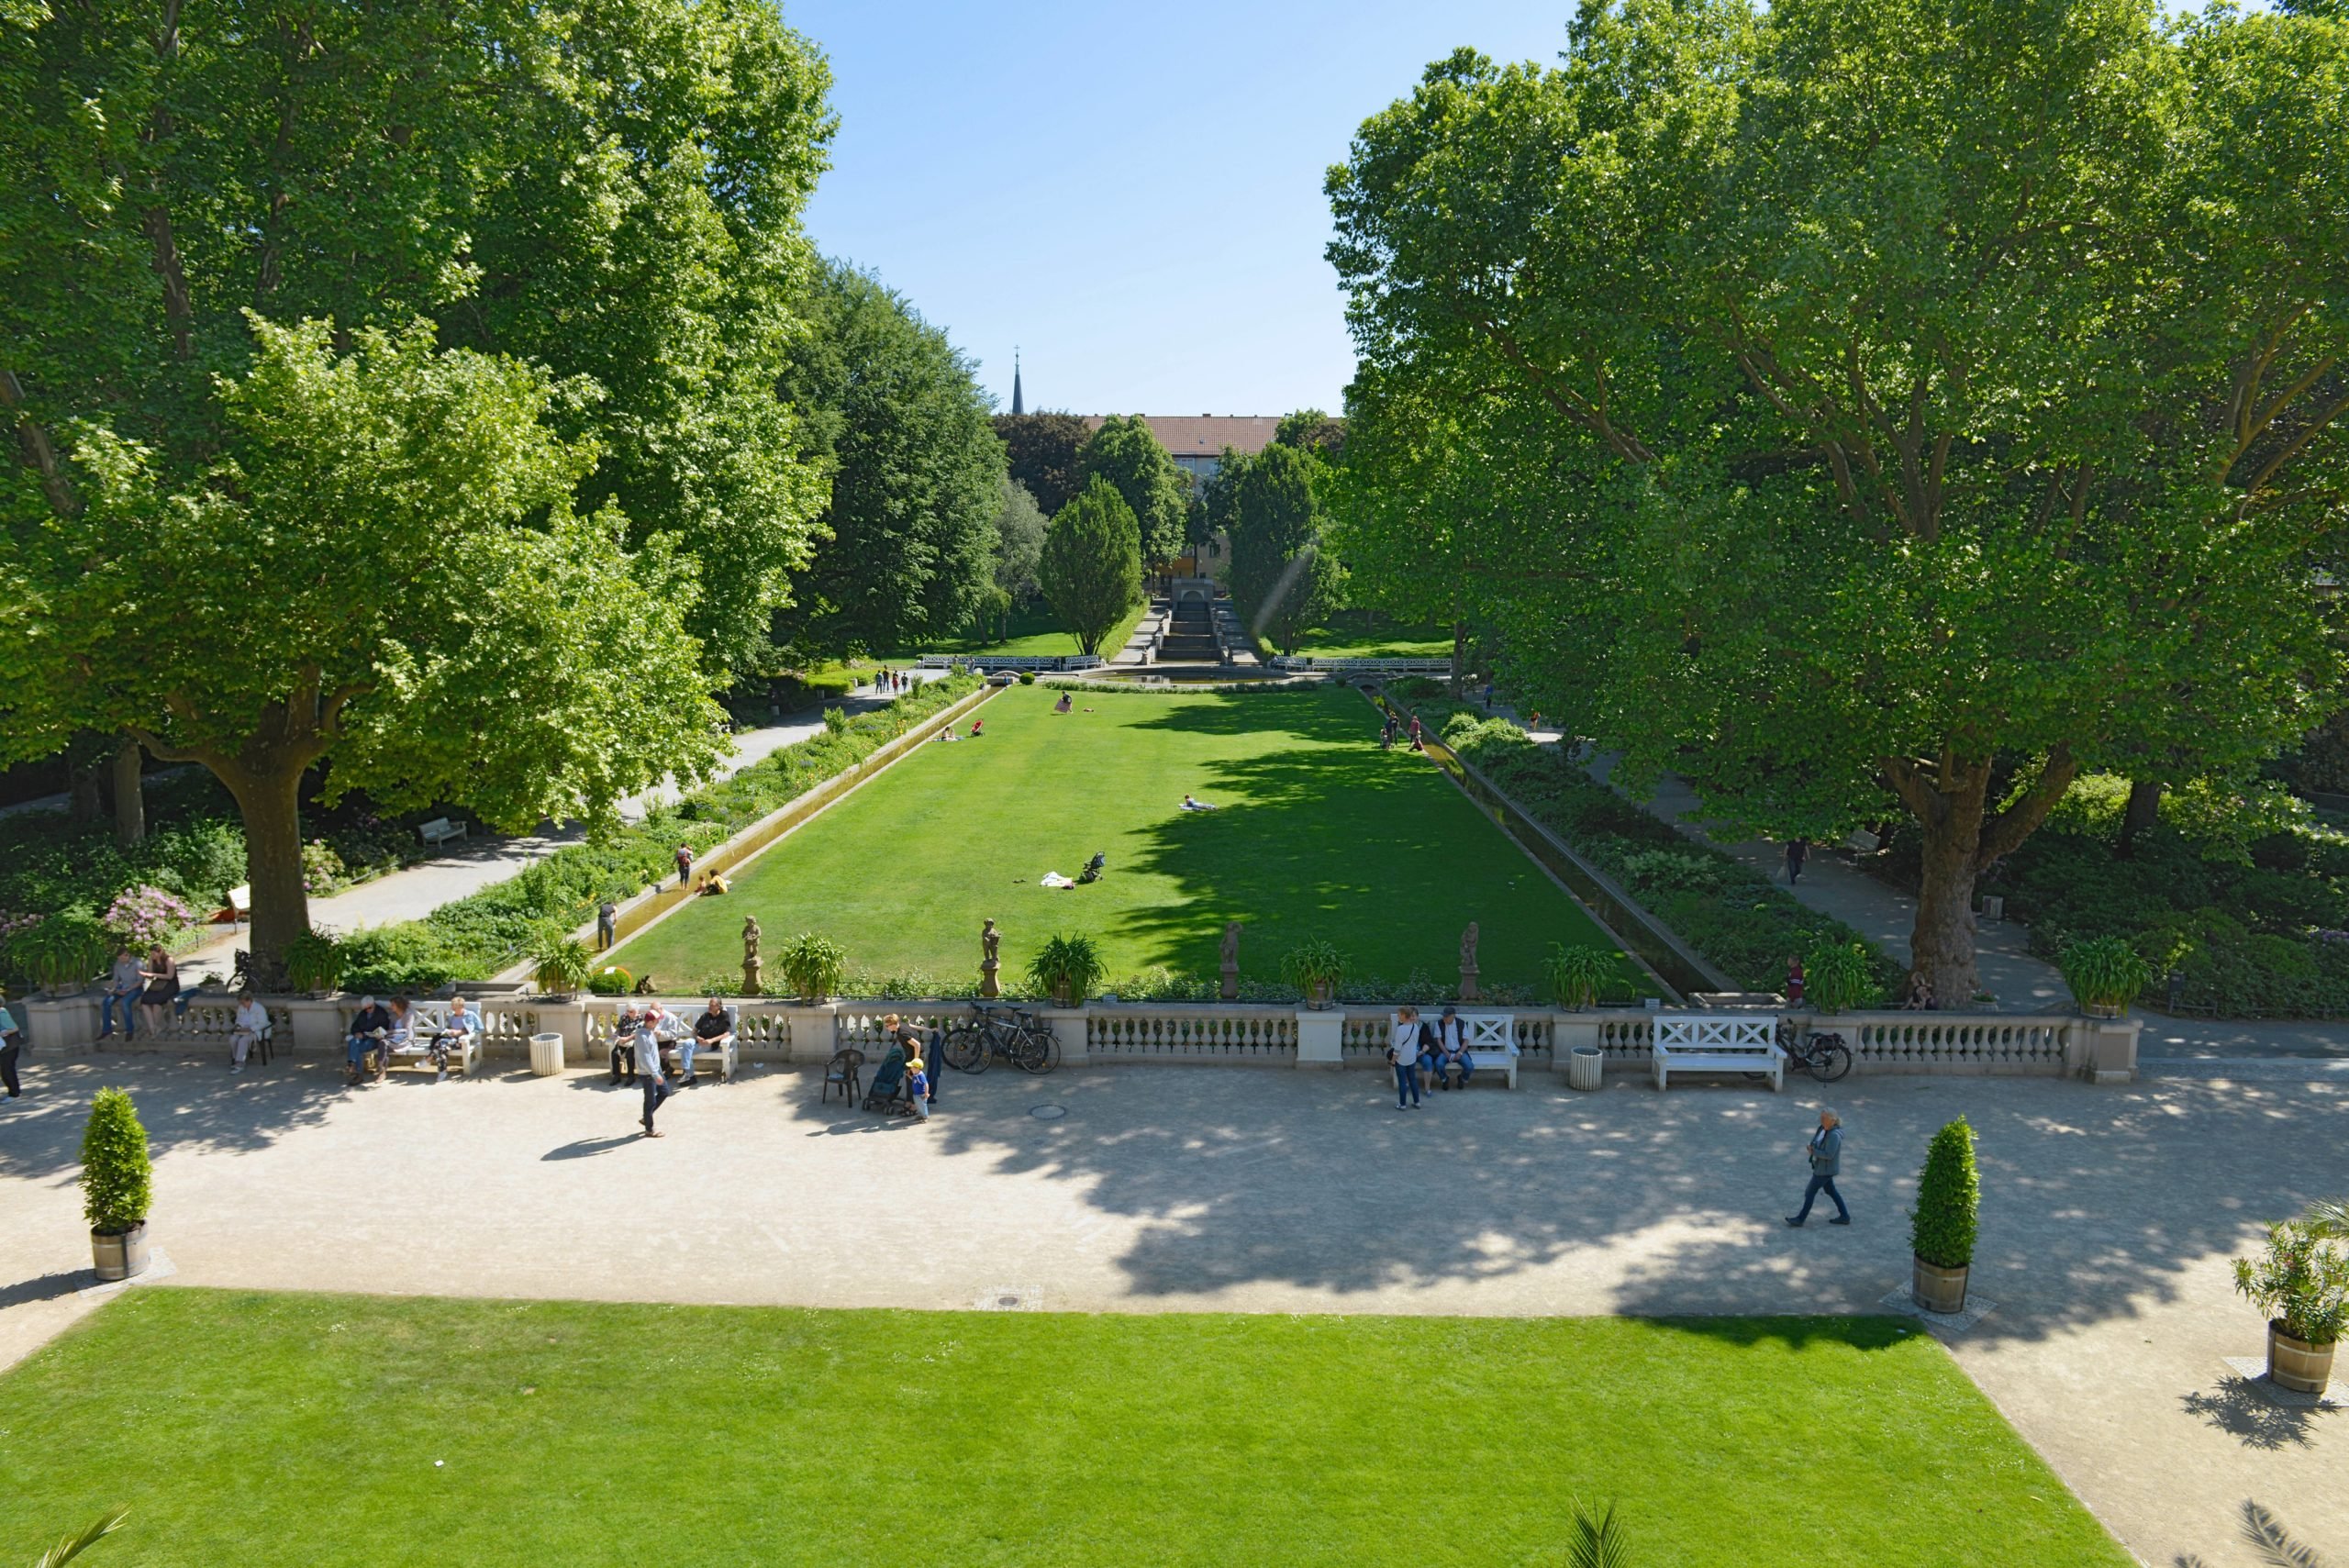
{"type": "Point", "coordinates": [1191, 804]}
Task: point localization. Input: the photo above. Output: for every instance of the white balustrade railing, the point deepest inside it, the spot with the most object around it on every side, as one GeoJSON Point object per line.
{"type": "Point", "coordinates": [775, 1029]}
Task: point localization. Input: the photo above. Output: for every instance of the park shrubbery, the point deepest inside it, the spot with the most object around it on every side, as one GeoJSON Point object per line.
{"type": "Point", "coordinates": [1746, 927]}
{"type": "Point", "coordinates": [473, 937]}
{"type": "Point", "coordinates": [2238, 890]}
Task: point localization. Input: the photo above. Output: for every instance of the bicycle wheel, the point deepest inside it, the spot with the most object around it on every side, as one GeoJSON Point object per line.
{"type": "Point", "coordinates": [1034, 1049]}
{"type": "Point", "coordinates": [965, 1050]}
{"type": "Point", "coordinates": [1830, 1059]}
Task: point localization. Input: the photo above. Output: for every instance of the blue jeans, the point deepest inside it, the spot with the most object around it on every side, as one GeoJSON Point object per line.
{"type": "Point", "coordinates": [655, 1090]}
{"type": "Point", "coordinates": [1445, 1064]}
{"type": "Point", "coordinates": [1407, 1082]}
{"type": "Point", "coordinates": [1822, 1184]}
{"type": "Point", "coordinates": [130, 1000]}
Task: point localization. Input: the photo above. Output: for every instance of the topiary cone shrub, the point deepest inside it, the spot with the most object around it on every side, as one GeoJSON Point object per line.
{"type": "Point", "coordinates": [1949, 1194]}
{"type": "Point", "coordinates": [118, 1179]}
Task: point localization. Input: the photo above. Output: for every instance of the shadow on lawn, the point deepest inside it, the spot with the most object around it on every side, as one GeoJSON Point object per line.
{"type": "Point", "coordinates": [1333, 840]}
{"type": "Point", "coordinates": [213, 1111]}
{"type": "Point", "coordinates": [2094, 1200]}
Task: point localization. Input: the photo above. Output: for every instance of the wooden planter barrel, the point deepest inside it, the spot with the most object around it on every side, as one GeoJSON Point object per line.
{"type": "Point", "coordinates": [120, 1255]}
{"type": "Point", "coordinates": [2294, 1363]}
{"type": "Point", "coordinates": [1937, 1289]}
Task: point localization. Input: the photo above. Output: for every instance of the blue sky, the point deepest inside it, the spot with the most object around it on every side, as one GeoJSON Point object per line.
{"type": "Point", "coordinates": [1129, 194]}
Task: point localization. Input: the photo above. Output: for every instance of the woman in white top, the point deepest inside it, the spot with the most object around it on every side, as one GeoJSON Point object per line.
{"type": "Point", "coordinates": [250, 1023]}
{"type": "Point", "coordinates": [1403, 1054]}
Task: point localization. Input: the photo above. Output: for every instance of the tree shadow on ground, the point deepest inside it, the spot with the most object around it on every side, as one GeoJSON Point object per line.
{"type": "Point", "coordinates": [2268, 1538]}
{"type": "Point", "coordinates": [2240, 1409]}
{"type": "Point", "coordinates": [207, 1111]}
{"type": "Point", "coordinates": [2095, 1201]}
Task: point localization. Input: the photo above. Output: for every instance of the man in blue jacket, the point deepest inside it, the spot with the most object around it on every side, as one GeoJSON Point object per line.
{"type": "Point", "coordinates": [1825, 1151]}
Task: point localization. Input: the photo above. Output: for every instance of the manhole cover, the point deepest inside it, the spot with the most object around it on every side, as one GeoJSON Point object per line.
{"type": "Point", "coordinates": [1011, 1298]}
{"type": "Point", "coordinates": [1048, 1113]}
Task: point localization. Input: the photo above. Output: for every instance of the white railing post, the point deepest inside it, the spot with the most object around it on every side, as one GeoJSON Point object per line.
{"type": "Point", "coordinates": [2103, 1050]}
{"type": "Point", "coordinates": [1068, 1030]}
{"type": "Point", "coordinates": [316, 1025]}
{"type": "Point", "coordinates": [813, 1032]}
{"type": "Point", "coordinates": [61, 1023]}
{"type": "Point", "coordinates": [1320, 1038]}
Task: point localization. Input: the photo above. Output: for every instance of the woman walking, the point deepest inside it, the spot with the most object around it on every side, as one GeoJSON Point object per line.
{"type": "Point", "coordinates": [1403, 1053]}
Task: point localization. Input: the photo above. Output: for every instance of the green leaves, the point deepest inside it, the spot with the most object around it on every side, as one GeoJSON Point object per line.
{"type": "Point", "coordinates": [1126, 452]}
{"type": "Point", "coordinates": [1067, 967]}
{"type": "Point", "coordinates": [117, 1177]}
{"type": "Point", "coordinates": [1091, 564]}
{"type": "Point", "coordinates": [2300, 1280]}
{"type": "Point", "coordinates": [1281, 577]}
{"type": "Point", "coordinates": [1949, 1191]}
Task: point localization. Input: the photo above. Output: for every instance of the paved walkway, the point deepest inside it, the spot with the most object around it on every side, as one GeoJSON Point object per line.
{"type": "Point", "coordinates": [415, 891]}
{"type": "Point", "coordinates": [2109, 1216]}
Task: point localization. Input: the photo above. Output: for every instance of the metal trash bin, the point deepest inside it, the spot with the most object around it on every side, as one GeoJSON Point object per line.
{"type": "Point", "coordinates": [546, 1054]}
{"type": "Point", "coordinates": [1585, 1067]}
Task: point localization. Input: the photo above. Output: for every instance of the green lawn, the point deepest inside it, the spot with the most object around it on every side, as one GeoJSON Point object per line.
{"type": "Point", "coordinates": [319, 1430]}
{"type": "Point", "coordinates": [1032, 630]}
{"type": "Point", "coordinates": [1320, 834]}
{"type": "Point", "coordinates": [1364, 634]}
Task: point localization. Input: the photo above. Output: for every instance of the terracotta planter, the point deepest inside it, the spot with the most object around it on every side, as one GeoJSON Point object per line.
{"type": "Point", "coordinates": [1317, 994]}
{"type": "Point", "coordinates": [121, 1254]}
{"type": "Point", "coordinates": [2294, 1363]}
{"type": "Point", "coordinates": [1937, 1289]}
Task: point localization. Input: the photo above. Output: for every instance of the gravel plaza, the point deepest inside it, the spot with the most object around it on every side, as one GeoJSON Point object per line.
{"type": "Point", "coordinates": [2107, 1218]}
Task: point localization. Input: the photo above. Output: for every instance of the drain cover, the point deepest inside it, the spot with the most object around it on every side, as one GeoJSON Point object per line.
{"type": "Point", "coordinates": [1048, 1113]}
{"type": "Point", "coordinates": [1010, 1299]}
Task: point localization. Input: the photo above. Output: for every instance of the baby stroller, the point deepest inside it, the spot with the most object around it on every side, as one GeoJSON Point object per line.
{"type": "Point", "coordinates": [1093, 867]}
{"type": "Point", "coordinates": [886, 1094]}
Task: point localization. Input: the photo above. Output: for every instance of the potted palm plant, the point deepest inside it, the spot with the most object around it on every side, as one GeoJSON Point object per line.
{"type": "Point", "coordinates": [60, 955]}
{"type": "Point", "coordinates": [314, 963]}
{"type": "Point", "coordinates": [1066, 969]}
{"type": "Point", "coordinates": [563, 965]}
{"type": "Point", "coordinates": [117, 1185]}
{"type": "Point", "coordinates": [2105, 974]}
{"type": "Point", "coordinates": [1318, 969]}
{"type": "Point", "coordinates": [2301, 1281]}
{"type": "Point", "coordinates": [812, 966]}
{"type": "Point", "coordinates": [1576, 975]}
{"type": "Point", "coordinates": [1841, 977]}
{"type": "Point", "coordinates": [1942, 1227]}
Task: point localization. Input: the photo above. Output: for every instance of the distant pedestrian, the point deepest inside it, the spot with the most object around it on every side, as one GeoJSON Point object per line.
{"type": "Point", "coordinates": [12, 1046]}
{"type": "Point", "coordinates": [1403, 1055]}
{"type": "Point", "coordinates": [648, 1072]}
{"type": "Point", "coordinates": [1825, 1151]}
{"type": "Point", "coordinates": [1795, 982]}
{"type": "Point", "coordinates": [1417, 743]}
{"type": "Point", "coordinates": [684, 865]}
{"type": "Point", "coordinates": [1488, 696]}
{"type": "Point", "coordinates": [607, 923]}
{"type": "Point", "coordinates": [1797, 851]}
{"type": "Point", "coordinates": [1386, 732]}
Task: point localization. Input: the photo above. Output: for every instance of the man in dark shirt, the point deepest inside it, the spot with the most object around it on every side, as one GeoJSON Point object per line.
{"type": "Point", "coordinates": [712, 1029]}
{"type": "Point", "coordinates": [370, 1026]}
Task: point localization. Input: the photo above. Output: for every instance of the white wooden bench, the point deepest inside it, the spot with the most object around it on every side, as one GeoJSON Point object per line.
{"type": "Point", "coordinates": [1491, 1039]}
{"type": "Point", "coordinates": [423, 1025]}
{"type": "Point", "coordinates": [1718, 1042]}
{"type": "Point", "coordinates": [440, 831]}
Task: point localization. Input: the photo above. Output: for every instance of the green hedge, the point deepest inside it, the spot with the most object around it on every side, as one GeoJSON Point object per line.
{"type": "Point", "coordinates": [1746, 927]}
{"type": "Point", "coordinates": [473, 938]}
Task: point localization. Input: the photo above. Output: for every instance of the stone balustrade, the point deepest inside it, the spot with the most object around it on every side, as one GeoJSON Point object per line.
{"type": "Point", "coordinates": [772, 1029]}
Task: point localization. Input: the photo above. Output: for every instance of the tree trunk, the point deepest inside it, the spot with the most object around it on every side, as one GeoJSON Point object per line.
{"type": "Point", "coordinates": [271, 805]}
{"type": "Point", "coordinates": [1459, 656]}
{"type": "Point", "coordinates": [1961, 838]}
{"type": "Point", "coordinates": [129, 795]}
{"type": "Point", "coordinates": [82, 801]}
{"type": "Point", "coordinates": [2145, 809]}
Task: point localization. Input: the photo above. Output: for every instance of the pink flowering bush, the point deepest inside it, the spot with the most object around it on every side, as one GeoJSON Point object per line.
{"type": "Point", "coordinates": [145, 915]}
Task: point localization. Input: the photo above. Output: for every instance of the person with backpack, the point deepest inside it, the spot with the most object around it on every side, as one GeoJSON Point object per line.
{"type": "Point", "coordinates": [1825, 1150]}
{"type": "Point", "coordinates": [1403, 1055]}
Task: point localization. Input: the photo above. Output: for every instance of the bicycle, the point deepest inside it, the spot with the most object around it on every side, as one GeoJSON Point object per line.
{"type": "Point", "coordinates": [1824, 1056]}
{"type": "Point", "coordinates": [1022, 1039]}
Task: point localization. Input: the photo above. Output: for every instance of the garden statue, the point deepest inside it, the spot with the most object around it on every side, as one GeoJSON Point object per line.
{"type": "Point", "coordinates": [1230, 990]}
{"type": "Point", "coordinates": [750, 986]}
{"type": "Point", "coordinates": [1468, 963]}
{"type": "Point", "coordinates": [990, 939]}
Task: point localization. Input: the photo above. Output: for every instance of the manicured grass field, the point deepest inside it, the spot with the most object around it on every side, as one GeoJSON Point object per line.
{"type": "Point", "coordinates": [1320, 835]}
{"type": "Point", "coordinates": [318, 1430]}
{"type": "Point", "coordinates": [1033, 630]}
{"type": "Point", "coordinates": [1359, 634]}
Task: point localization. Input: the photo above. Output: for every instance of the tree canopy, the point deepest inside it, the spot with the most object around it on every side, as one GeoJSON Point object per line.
{"type": "Point", "coordinates": [914, 472]}
{"type": "Point", "coordinates": [1925, 395]}
{"type": "Point", "coordinates": [1091, 566]}
{"type": "Point", "coordinates": [1019, 540]}
{"type": "Point", "coordinates": [1126, 452]}
{"type": "Point", "coordinates": [1282, 579]}
{"type": "Point", "coordinates": [1043, 450]}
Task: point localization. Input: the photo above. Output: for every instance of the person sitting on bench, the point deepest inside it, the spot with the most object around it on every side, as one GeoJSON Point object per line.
{"type": "Point", "coordinates": [1191, 804]}
{"type": "Point", "coordinates": [1094, 867]}
{"type": "Point", "coordinates": [712, 1029]}
{"type": "Point", "coordinates": [371, 1025]}
{"type": "Point", "coordinates": [463, 1023]}
{"type": "Point", "coordinates": [624, 1029]}
{"type": "Point", "coordinates": [1451, 1050]}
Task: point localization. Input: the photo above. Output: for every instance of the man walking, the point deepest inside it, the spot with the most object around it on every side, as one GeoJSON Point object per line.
{"type": "Point", "coordinates": [648, 1072]}
{"type": "Point", "coordinates": [1825, 1151]}
{"type": "Point", "coordinates": [684, 865]}
{"type": "Point", "coordinates": [607, 923]}
{"type": "Point", "coordinates": [1797, 849]}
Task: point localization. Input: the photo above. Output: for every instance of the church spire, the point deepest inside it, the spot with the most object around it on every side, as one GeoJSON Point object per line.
{"type": "Point", "coordinates": [1017, 406]}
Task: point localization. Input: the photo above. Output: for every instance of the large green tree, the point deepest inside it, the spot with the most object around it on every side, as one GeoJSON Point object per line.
{"type": "Point", "coordinates": [1127, 453]}
{"type": "Point", "coordinates": [1019, 525]}
{"type": "Point", "coordinates": [1938, 397]}
{"type": "Point", "coordinates": [1044, 452]}
{"type": "Point", "coordinates": [915, 468]}
{"type": "Point", "coordinates": [1091, 565]}
{"type": "Point", "coordinates": [380, 571]}
{"type": "Point", "coordinates": [1282, 578]}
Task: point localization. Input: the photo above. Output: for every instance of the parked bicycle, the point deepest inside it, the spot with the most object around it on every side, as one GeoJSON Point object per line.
{"type": "Point", "coordinates": [1017, 1035]}
{"type": "Point", "coordinates": [1824, 1056]}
